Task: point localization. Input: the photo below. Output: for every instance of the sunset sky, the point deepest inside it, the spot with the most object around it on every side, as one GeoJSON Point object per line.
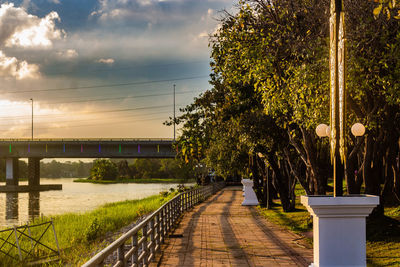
{"type": "Point", "coordinates": [99, 68]}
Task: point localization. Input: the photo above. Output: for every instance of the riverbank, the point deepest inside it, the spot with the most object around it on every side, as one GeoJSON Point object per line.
{"type": "Point", "coordinates": [383, 234]}
{"type": "Point", "coordinates": [81, 235]}
{"type": "Point", "coordinates": [137, 181]}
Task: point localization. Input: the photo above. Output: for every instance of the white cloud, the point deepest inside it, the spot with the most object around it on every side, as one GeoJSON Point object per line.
{"type": "Point", "coordinates": [20, 29]}
{"type": "Point", "coordinates": [68, 54]}
{"type": "Point", "coordinates": [12, 67]}
{"type": "Point", "coordinates": [108, 61]}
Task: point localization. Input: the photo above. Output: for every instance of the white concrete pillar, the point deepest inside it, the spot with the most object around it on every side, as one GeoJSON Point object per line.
{"type": "Point", "coordinates": [12, 171]}
{"type": "Point", "coordinates": [339, 228]}
{"type": "Point", "coordinates": [250, 198]}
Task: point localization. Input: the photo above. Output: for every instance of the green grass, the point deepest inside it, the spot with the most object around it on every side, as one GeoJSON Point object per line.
{"type": "Point", "coordinates": [383, 234]}
{"type": "Point", "coordinates": [383, 239]}
{"type": "Point", "coordinates": [80, 234]}
{"type": "Point", "coordinates": [139, 181]}
{"type": "Point", "coordinates": [298, 221]}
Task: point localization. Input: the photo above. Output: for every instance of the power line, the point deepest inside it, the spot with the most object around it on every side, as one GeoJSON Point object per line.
{"type": "Point", "coordinates": [108, 99]}
{"type": "Point", "coordinates": [104, 85]}
{"type": "Point", "coordinates": [91, 112]}
{"type": "Point", "coordinates": [87, 125]}
{"type": "Point", "coordinates": [119, 98]}
{"type": "Point", "coordinates": [38, 122]}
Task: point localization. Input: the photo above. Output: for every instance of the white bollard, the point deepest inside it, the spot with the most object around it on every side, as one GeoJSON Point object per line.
{"type": "Point", "coordinates": [250, 198]}
{"type": "Point", "coordinates": [339, 228]}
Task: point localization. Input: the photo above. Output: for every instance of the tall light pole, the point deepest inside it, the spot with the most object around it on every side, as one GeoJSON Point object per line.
{"type": "Point", "coordinates": [338, 94]}
{"type": "Point", "coordinates": [32, 117]}
{"type": "Point", "coordinates": [174, 111]}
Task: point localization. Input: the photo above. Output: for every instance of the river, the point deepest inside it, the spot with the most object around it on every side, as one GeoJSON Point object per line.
{"type": "Point", "coordinates": [18, 208]}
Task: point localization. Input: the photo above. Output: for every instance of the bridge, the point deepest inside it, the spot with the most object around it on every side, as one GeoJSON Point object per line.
{"type": "Point", "coordinates": [37, 149]}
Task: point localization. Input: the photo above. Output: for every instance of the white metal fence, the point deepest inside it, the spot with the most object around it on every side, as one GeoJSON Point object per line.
{"type": "Point", "coordinates": [139, 245]}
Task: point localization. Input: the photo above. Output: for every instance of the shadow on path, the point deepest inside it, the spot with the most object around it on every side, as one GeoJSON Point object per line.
{"type": "Point", "coordinates": [187, 259]}
{"type": "Point", "coordinates": [289, 251]}
{"type": "Point", "coordinates": [239, 256]}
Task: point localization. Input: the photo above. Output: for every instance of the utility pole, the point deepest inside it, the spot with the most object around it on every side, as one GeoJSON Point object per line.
{"type": "Point", "coordinates": [174, 111]}
{"type": "Point", "coordinates": [32, 117]}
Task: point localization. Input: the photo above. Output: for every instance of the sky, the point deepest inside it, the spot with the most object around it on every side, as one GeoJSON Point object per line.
{"type": "Point", "coordinates": [102, 68]}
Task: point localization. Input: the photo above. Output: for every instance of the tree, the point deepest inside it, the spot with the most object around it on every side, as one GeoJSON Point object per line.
{"type": "Point", "coordinates": [103, 169]}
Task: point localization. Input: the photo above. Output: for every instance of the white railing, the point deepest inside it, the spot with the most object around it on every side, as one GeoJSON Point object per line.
{"type": "Point", "coordinates": [86, 140]}
{"type": "Point", "coordinates": [139, 245]}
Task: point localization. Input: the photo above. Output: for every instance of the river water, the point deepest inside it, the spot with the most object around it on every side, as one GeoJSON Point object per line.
{"type": "Point", "coordinates": [19, 208]}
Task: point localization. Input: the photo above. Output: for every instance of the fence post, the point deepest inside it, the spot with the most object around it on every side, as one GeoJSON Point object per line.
{"type": "Point", "coordinates": [145, 247]}
{"type": "Point", "coordinates": [159, 230]}
{"type": "Point", "coordinates": [172, 215]}
{"type": "Point", "coordinates": [152, 240]}
{"type": "Point", "coordinates": [180, 205]}
{"type": "Point", "coordinates": [167, 218]}
{"type": "Point", "coordinates": [162, 213]}
{"type": "Point", "coordinates": [135, 254]}
{"type": "Point", "coordinates": [186, 201]}
{"type": "Point", "coordinates": [190, 200]}
{"type": "Point", "coordinates": [120, 255]}
{"type": "Point", "coordinates": [30, 234]}
{"type": "Point", "coordinates": [55, 236]}
{"type": "Point", "coordinates": [17, 241]}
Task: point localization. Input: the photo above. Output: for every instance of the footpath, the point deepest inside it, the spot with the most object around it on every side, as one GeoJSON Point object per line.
{"type": "Point", "coordinates": [221, 232]}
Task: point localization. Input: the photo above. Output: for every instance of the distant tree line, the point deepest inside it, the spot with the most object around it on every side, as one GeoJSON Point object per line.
{"type": "Point", "coordinates": [106, 169]}
{"type": "Point", "coordinates": [52, 169]}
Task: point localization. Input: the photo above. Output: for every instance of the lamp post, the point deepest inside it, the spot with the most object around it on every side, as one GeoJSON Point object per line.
{"type": "Point", "coordinates": [338, 221]}
{"type": "Point", "coordinates": [32, 117]}
{"type": "Point", "coordinates": [174, 112]}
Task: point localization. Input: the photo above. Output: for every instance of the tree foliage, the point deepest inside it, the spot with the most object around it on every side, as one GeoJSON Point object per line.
{"type": "Point", "coordinates": [103, 169]}
{"type": "Point", "coordinates": [270, 89]}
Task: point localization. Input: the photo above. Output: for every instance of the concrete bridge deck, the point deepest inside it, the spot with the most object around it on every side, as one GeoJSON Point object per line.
{"type": "Point", "coordinates": [87, 148]}
{"type": "Point", "coordinates": [221, 232]}
{"type": "Point", "coordinates": [37, 149]}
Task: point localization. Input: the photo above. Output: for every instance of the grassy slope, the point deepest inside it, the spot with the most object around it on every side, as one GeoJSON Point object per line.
{"type": "Point", "coordinates": [383, 235]}
{"type": "Point", "coordinates": [80, 234]}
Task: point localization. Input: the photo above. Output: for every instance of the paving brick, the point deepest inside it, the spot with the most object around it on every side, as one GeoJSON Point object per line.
{"type": "Point", "coordinates": [221, 232]}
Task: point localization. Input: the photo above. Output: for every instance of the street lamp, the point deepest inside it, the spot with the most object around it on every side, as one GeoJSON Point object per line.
{"type": "Point", "coordinates": [358, 129]}
{"type": "Point", "coordinates": [324, 130]}
{"type": "Point", "coordinates": [32, 117]}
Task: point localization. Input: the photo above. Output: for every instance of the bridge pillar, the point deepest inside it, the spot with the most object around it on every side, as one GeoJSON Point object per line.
{"type": "Point", "coordinates": [12, 171]}
{"type": "Point", "coordinates": [33, 171]}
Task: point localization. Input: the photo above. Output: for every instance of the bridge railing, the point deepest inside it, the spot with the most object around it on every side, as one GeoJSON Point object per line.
{"type": "Point", "coordinates": [86, 139]}
{"type": "Point", "coordinates": [139, 245]}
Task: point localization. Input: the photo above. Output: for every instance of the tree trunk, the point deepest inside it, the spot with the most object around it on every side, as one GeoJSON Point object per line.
{"type": "Point", "coordinates": [316, 177]}
{"type": "Point", "coordinates": [281, 183]}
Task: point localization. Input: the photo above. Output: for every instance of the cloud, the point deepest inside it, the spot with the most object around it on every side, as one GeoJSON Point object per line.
{"type": "Point", "coordinates": [18, 28]}
{"type": "Point", "coordinates": [25, 30]}
{"type": "Point", "coordinates": [108, 61]}
{"type": "Point", "coordinates": [11, 66]}
{"type": "Point", "coordinates": [68, 54]}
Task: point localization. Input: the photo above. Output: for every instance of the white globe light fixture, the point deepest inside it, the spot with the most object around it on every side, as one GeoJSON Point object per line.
{"type": "Point", "coordinates": [358, 129]}
{"type": "Point", "coordinates": [321, 130]}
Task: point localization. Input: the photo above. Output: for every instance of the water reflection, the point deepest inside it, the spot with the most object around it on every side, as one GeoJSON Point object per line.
{"type": "Point", "coordinates": [34, 205]}
{"type": "Point", "coordinates": [18, 208]}
{"type": "Point", "coordinates": [12, 206]}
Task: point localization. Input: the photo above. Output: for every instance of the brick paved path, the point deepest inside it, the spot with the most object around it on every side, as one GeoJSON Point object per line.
{"type": "Point", "coordinates": [221, 232]}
